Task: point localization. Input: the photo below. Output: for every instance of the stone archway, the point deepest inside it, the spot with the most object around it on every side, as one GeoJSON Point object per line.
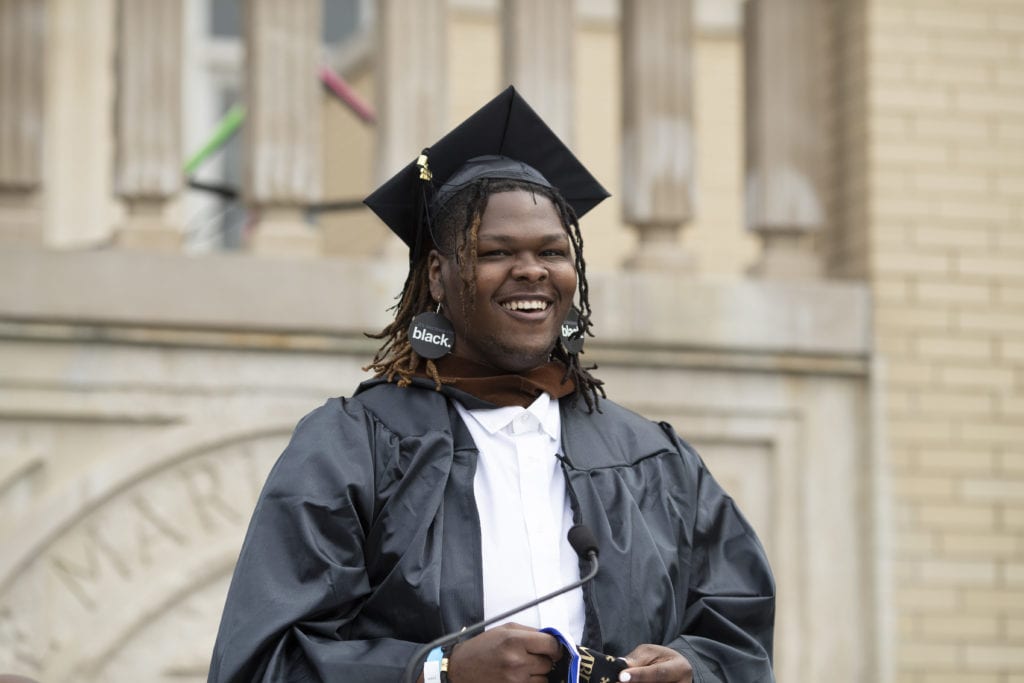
{"type": "Point", "coordinates": [123, 575]}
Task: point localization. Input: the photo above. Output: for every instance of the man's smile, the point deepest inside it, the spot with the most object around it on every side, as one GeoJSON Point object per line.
{"type": "Point", "coordinates": [526, 305]}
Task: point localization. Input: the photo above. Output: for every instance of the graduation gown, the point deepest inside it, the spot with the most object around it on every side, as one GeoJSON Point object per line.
{"type": "Point", "coordinates": [365, 544]}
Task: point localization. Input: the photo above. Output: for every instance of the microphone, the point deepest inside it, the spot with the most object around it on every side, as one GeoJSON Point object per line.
{"type": "Point", "coordinates": [582, 541]}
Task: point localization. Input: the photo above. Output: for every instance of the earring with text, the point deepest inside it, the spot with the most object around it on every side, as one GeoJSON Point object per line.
{"type": "Point", "coordinates": [572, 335]}
{"type": "Point", "coordinates": [431, 335]}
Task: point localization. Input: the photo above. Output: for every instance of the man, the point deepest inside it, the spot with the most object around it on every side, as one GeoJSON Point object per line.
{"type": "Point", "coordinates": [441, 493]}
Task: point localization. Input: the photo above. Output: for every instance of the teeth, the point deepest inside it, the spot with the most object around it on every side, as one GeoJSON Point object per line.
{"type": "Point", "coordinates": [525, 305]}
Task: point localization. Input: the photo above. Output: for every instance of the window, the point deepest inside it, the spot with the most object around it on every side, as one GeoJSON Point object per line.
{"type": "Point", "coordinates": [213, 84]}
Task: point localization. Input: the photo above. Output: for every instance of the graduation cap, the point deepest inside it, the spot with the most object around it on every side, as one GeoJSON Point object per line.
{"type": "Point", "coordinates": [504, 139]}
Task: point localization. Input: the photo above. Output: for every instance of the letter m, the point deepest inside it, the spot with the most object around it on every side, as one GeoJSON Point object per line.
{"type": "Point", "coordinates": [83, 574]}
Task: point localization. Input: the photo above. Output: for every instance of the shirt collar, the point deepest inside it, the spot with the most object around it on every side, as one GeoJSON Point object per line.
{"type": "Point", "coordinates": [494, 420]}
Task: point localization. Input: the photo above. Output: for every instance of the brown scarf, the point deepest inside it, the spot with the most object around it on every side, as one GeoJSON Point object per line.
{"type": "Point", "coordinates": [502, 389]}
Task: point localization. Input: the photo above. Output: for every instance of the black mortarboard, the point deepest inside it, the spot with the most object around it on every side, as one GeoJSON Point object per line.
{"type": "Point", "coordinates": [502, 132]}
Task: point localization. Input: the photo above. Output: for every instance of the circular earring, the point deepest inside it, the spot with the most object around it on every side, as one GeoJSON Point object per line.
{"type": "Point", "coordinates": [431, 335]}
{"type": "Point", "coordinates": [572, 335]}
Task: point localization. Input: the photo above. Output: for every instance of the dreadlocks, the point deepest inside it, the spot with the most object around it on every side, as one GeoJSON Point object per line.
{"type": "Point", "coordinates": [455, 232]}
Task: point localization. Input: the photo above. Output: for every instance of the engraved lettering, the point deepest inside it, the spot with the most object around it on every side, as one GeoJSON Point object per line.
{"type": "Point", "coordinates": [15, 645]}
{"type": "Point", "coordinates": [204, 488]}
{"type": "Point", "coordinates": [81, 578]}
{"type": "Point", "coordinates": [151, 528]}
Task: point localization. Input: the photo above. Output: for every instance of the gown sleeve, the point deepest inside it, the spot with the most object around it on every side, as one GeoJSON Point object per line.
{"type": "Point", "coordinates": [301, 576]}
{"type": "Point", "coordinates": [730, 613]}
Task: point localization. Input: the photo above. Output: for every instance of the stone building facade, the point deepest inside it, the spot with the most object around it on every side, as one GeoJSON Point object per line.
{"type": "Point", "coordinates": [813, 267]}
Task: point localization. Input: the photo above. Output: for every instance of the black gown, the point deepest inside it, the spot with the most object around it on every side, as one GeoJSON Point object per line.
{"type": "Point", "coordinates": [365, 544]}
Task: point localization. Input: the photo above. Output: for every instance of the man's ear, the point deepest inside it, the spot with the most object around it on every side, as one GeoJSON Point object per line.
{"type": "Point", "coordinates": [434, 263]}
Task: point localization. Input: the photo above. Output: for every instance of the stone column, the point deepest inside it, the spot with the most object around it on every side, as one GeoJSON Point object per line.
{"type": "Point", "coordinates": [148, 167]}
{"type": "Point", "coordinates": [22, 79]}
{"type": "Point", "coordinates": [785, 136]}
{"type": "Point", "coordinates": [411, 89]}
{"type": "Point", "coordinates": [657, 119]}
{"type": "Point", "coordinates": [283, 172]}
{"type": "Point", "coordinates": [538, 39]}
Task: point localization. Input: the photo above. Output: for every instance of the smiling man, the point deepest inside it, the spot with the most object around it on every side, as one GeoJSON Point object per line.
{"type": "Point", "coordinates": [441, 494]}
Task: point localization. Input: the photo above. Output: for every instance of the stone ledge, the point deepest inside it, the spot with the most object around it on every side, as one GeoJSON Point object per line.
{"type": "Point", "coordinates": [361, 348]}
{"type": "Point", "coordinates": [812, 317]}
{"type": "Point", "coordinates": [340, 298]}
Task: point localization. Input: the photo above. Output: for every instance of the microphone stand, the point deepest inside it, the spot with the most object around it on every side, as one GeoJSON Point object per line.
{"type": "Point", "coordinates": [409, 676]}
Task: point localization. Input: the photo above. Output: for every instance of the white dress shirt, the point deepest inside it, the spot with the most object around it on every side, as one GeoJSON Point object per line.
{"type": "Point", "coordinates": [525, 514]}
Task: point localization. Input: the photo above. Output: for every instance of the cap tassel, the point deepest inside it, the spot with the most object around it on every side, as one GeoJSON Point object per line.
{"type": "Point", "coordinates": [423, 211]}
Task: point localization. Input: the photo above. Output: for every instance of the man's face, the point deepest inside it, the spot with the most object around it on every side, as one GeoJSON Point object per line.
{"type": "Point", "coordinates": [525, 282]}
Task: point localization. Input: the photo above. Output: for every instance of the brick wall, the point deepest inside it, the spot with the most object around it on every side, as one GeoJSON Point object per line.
{"type": "Point", "coordinates": [945, 174]}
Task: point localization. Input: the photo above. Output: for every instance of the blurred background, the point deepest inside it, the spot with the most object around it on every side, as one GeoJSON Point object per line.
{"type": "Point", "coordinates": [812, 266]}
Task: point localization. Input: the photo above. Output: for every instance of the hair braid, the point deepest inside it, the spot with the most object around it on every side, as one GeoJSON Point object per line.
{"type": "Point", "coordinates": [395, 356]}
{"type": "Point", "coordinates": [589, 386]}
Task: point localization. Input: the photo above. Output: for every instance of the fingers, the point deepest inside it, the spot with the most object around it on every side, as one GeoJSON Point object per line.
{"type": "Point", "coordinates": [656, 673]}
{"type": "Point", "coordinates": [507, 653]}
{"type": "Point", "coordinates": [656, 664]}
{"type": "Point", "coordinates": [533, 641]}
{"type": "Point", "coordinates": [544, 645]}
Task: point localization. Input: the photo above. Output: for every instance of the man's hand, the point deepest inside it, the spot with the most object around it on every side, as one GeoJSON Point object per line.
{"type": "Point", "coordinates": [510, 653]}
{"type": "Point", "coordinates": [656, 664]}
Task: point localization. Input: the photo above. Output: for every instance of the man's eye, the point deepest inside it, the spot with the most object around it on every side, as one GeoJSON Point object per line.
{"type": "Point", "coordinates": [554, 253]}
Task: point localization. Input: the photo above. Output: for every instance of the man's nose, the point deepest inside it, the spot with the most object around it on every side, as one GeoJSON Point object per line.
{"type": "Point", "coordinates": [529, 267]}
